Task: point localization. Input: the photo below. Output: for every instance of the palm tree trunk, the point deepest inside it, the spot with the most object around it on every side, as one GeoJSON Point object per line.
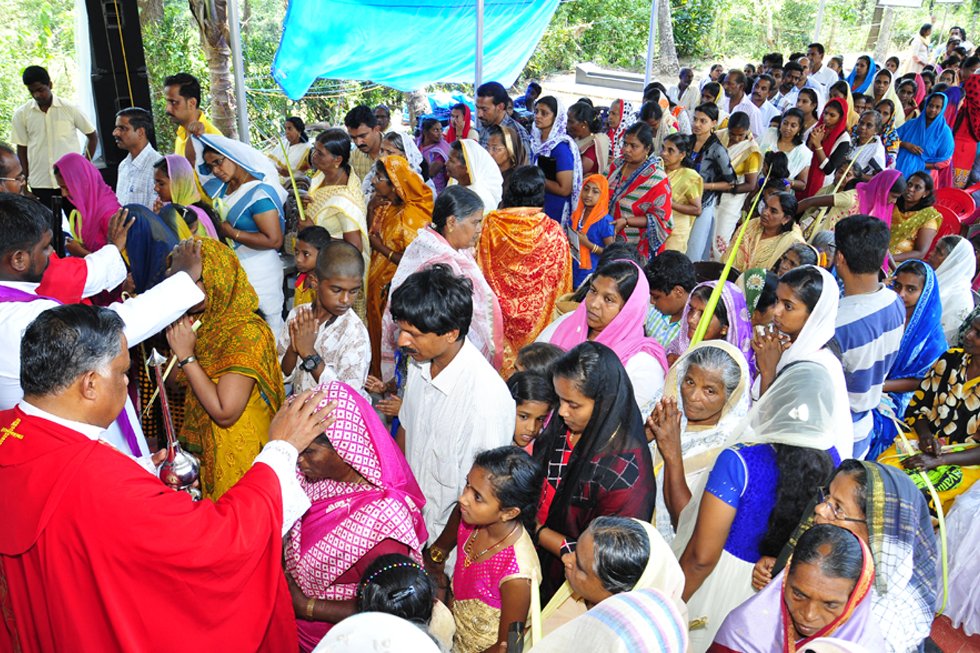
{"type": "Point", "coordinates": [212, 19]}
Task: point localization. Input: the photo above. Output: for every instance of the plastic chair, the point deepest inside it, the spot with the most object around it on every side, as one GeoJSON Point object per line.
{"type": "Point", "coordinates": [950, 226]}
{"type": "Point", "coordinates": [958, 201]}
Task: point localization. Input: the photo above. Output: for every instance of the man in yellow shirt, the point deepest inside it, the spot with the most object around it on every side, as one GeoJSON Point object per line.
{"type": "Point", "coordinates": [183, 95]}
{"type": "Point", "coordinates": [44, 130]}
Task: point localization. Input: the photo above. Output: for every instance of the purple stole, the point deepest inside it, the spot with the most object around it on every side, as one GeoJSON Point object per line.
{"type": "Point", "coordinates": [11, 295]}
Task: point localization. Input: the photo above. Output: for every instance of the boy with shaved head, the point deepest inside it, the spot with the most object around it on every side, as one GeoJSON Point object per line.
{"type": "Point", "coordinates": [326, 341]}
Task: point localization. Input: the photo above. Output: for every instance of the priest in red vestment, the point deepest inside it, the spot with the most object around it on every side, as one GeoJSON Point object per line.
{"type": "Point", "coordinates": [96, 554]}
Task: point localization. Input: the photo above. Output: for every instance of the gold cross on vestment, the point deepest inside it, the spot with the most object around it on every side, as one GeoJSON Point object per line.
{"type": "Point", "coordinates": [10, 431]}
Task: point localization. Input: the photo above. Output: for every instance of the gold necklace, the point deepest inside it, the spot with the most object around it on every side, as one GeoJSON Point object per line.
{"type": "Point", "coordinates": [469, 558]}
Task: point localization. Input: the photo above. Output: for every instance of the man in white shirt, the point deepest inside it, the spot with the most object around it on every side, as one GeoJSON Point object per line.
{"type": "Point", "coordinates": [820, 73]}
{"type": "Point", "coordinates": [760, 98]}
{"type": "Point", "coordinates": [25, 248]}
{"type": "Point", "coordinates": [133, 133]}
{"type": "Point", "coordinates": [44, 130]}
{"type": "Point", "coordinates": [684, 92]}
{"type": "Point", "coordinates": [455, 405]}
{"type": "Point", "coordinates": [738, 101]}
{"type": "Point", "coordinates": [790, 88]}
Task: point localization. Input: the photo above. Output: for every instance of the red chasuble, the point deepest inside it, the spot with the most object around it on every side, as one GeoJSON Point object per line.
{"type": "Point", "coordinates": [98, 555]}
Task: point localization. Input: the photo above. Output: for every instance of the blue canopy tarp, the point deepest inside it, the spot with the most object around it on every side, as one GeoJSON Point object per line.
{"type": "Point", "coordinates": [406, 45]}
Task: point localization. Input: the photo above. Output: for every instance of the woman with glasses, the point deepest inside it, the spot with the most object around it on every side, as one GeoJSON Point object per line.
{"type": "Point", "coordinates": [884, 508]}
{"type": "Point", "coordinates": [244, 186]}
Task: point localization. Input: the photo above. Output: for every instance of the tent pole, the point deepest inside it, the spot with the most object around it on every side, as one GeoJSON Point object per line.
{"type": "Point", "coordinates": [650, 40]}
{"type": "Point", "coordinates": [235, 37]}
{"type": "Point", "coordinates": [479, 45]}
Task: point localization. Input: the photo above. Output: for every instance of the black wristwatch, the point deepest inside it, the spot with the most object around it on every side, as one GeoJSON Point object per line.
{"type": "Point", "coordinates": [310, 362]}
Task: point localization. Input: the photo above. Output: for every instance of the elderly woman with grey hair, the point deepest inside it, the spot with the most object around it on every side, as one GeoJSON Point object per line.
{"type": "Point", "coordinates": [613, 556]}
{"type": "Point", "coordinates": [705, 396]}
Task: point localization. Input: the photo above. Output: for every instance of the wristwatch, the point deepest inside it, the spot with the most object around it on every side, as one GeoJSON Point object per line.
{"type": "Point", "coordinates": [437, 555]}
{"type": "Point", "coordinates": [310, 362]}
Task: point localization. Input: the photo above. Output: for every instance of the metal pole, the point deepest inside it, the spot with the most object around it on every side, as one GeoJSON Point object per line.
{"type": "Point", "coordinates": [819, 21]}
{"type": "Point", "coordinates": [650, 41]}
{"type": "Point", "coordinates": [235, 36]}
{"type": "Point", "coordinates": [479, 45]}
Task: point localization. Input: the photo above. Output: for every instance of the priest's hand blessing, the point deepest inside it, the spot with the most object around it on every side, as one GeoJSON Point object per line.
{"type": "Point", "coordinates": [301, 419]}
{"type": "Point", "coordinates": [186, 257]}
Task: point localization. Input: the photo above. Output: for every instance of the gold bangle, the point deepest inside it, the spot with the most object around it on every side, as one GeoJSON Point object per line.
{"type": "Point", "coordinates": [309, 608]}
{"type": "Point", "coordinates": [391, 255]}
{"type": "Point", "coordinates": [237, 234]}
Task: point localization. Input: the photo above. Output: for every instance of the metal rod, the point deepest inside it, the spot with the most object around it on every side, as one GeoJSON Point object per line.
{"type": "Point", "coordinates": [479, 45]}
{"type": "Point", "coordinates": [235, 36]}
{"type": "Point", "coordinates": [651, 39]}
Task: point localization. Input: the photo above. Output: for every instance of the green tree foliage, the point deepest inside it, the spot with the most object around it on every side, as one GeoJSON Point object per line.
{"type": "Point", "coordinates": [42, 35]}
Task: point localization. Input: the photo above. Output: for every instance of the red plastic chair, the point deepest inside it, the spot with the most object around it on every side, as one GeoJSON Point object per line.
{"type": "Point", "coordinates": [957, 200]}
{"type": "Point", "coordinates": [950, 226]}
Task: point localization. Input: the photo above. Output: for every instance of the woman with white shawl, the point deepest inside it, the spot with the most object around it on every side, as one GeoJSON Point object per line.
{"type": "Point", "coordinates": [686, 438]}
{"type": "Point", "coordinates": [661, 572]}
{"type": "Point", "coordinates": [955, 264]}
{"type": "Point", "coordinates": [555, 152]}
{"type": "Point", "coordinates": [472, 167]}
{"type": "Point", "coordinates": [244, 186]}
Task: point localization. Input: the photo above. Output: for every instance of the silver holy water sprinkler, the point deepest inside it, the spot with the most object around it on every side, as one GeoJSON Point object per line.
{"type": "Point", "coordinates": [180, 469]}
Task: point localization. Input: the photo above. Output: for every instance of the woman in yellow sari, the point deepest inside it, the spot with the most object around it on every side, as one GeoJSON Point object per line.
{"type": "Point", "coordinates": [915, 220]}
{"type": "Point", "coordinates": [405, 207]}
{"type": "Point", "coordinates": [525, 258]}
{"type": "Point", "coordinates": [769, 236]}
{"type": "Point", "coordinates": [231, 368]}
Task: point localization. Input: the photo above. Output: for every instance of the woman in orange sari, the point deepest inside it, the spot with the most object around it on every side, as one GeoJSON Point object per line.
{"type": "Point", "coordinates": [525, 259]}
{"type": "Point", "coordinates": [405, 207]}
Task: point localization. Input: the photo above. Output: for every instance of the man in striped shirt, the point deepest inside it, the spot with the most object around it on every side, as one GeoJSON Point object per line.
{"type": "Point", "coordinates": [672, 278]}
{"type": "Point", "coordinates": [870, 320]}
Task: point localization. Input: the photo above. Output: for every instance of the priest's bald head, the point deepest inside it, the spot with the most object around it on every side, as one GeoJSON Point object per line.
{"type": "Point", "coordinates": [74, 363]}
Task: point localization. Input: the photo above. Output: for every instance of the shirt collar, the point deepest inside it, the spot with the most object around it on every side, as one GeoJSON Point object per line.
{"type": "Point", "coordinates": [148, 156]}
{"type": "Point", "coordinates": [55, 102]}
{"type": "Point", "coordinates": [447, 378]}
{"type": "Point", "coordinates": [90, 431]}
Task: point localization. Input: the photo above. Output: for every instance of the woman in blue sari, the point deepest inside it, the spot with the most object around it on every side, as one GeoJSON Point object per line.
{"type": "Point", "coordinates": [922, 344]}
{"type": "Point", "coordinates": [927, 141]}
{"type": "Point", "coordinates": [248, 199]}
{"type": "Point", "coordinates": [862, 75]}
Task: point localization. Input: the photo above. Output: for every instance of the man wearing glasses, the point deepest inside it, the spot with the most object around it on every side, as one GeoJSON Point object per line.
{"type": "Point", "coordinates": [12, 177]}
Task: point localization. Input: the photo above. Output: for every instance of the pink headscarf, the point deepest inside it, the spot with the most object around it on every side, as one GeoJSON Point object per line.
{"type": "Point", "coordinates": [93, 198]}
{"type": "Point", "coordinates": [347, 520]}
{"type": "Point", "coordinates": [873, 195]}
{"type": "Point", "coordinates": [624, 334]}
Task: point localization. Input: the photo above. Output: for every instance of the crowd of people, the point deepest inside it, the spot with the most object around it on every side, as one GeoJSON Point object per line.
{"type": "Point", "coordinates": [696, 375]}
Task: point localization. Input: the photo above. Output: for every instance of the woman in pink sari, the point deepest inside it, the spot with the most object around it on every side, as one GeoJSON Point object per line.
{"type": "Point", "coordinates": [878, 195]}
{"type": "Point", "coordinates": [365, 504]}
{"type": "Point", "coordinates": [82, 185]}
{"type": "Point", "coordinates": [613, 313]}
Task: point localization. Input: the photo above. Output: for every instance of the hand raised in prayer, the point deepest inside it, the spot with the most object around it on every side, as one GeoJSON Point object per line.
{"type": "Point", "coordinates": [389, 406]}
{"type": "Point", "coordinates": [817, 135]}
{"type": "Point", "coordinates": [181, 337]}
{"type": "Point", "coordinates": [768, 345]}
{"type": "Point", "coordinates": [119, 226]}
{"type": "Point", "coordinates": [664, 427]}
{"type": "Point", "coordinates": [300, 420]}
{"type": "Point", "coordinates": [762, 572]}
{"type": "Point", "coordinates": [302, 332]}
{"type": "Point", "coordinates": [375, 385]}
{"type": "Point", "coordinates": [186, 257]}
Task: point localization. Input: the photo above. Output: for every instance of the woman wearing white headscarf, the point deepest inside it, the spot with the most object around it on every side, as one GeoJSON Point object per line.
{"type": "Point", "coordinates": [244, 185]}
{"type": "Point", "coordinates": [813, 295]}
{"type": "Point", "coordinates": [955, 264]}
{"type": "Point", "coordinates": [555, 152]}
{"type": "Point", "coordinates": [472, 167]}
{"type": "Point", "coordinates": [714, 377]}
{"type": "Point", "coordinates": [594, 573]}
